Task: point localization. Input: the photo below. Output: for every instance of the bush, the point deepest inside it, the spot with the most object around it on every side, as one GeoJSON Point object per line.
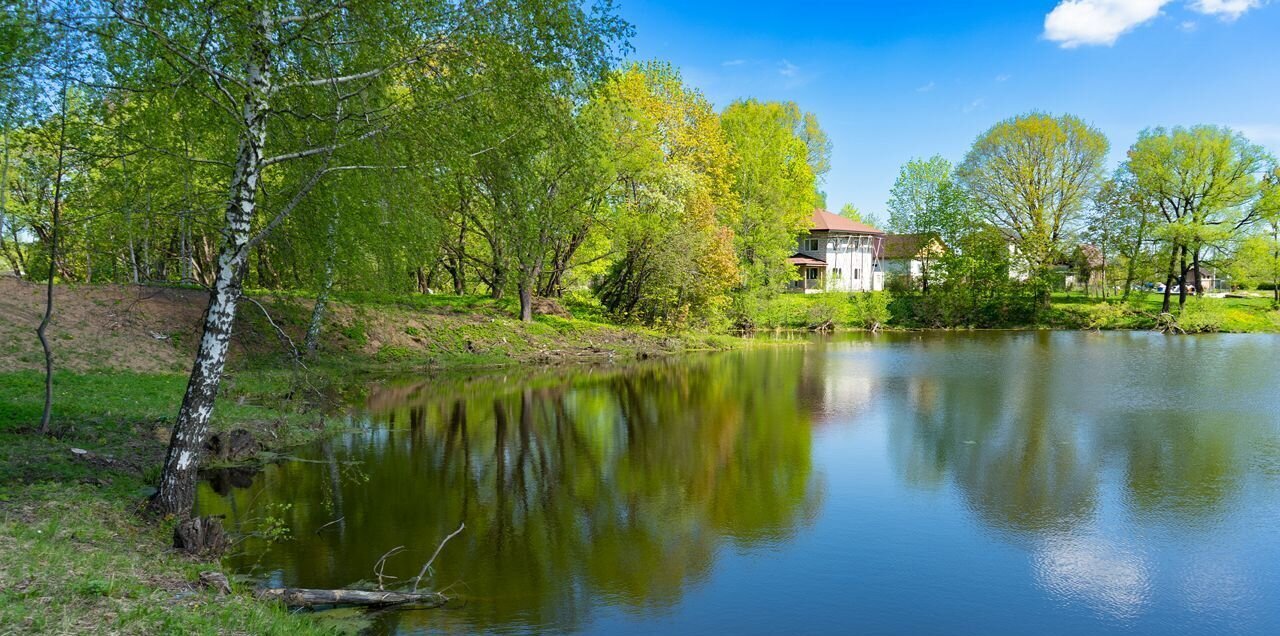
{"type": "Point", "coordinates": [1108, 316]}
{"type": "Point", "coordinates": [393, 353]}
{"type": "Point", "coordinates": [355, 332]}
{"type": "Point", "coordinates": [1201, 315]}
{"type": "Point", "coordinates": [867, 310]}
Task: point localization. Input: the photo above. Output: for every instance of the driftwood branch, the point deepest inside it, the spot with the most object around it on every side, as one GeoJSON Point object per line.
{"type": "Point", "coordinates": [304, 597]}
{"type": "Point", "coordinates": [426, 567]}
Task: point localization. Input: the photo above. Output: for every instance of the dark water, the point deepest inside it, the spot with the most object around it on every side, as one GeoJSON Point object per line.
{"type": "Point", "coordinates": [1002, 483]}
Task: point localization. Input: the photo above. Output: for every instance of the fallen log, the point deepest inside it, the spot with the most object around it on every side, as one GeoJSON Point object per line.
{"type": "Point", "coordinates": [304, 597]}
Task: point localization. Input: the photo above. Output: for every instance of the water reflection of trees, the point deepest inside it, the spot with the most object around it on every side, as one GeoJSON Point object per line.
{"type": "Point", "coordinates": [623, 486]}
{"type": "Point", "coordinates": [1027, 437]}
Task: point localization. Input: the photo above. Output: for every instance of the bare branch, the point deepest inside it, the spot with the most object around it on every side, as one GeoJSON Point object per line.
{"type": "Point", "coordinates": [426, 567]}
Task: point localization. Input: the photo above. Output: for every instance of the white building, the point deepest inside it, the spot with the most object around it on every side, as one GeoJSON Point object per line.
{"type": "Point", "coordinates": [838, 254]}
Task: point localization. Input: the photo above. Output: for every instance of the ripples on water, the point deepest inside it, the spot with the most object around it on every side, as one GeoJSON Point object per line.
{"type": "Point", "coordinates": [900, 483]}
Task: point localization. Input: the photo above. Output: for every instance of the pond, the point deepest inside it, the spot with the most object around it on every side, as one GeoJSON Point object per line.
{"type": "Point", "coordinates": [988, 483]}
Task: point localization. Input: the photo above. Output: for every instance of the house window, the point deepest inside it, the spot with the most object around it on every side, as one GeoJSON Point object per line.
{"type": "Point", "coordinates": [855, 273]}
{"type": "Point", "coordinates": [811, 245]}
{"type": "Point", "coordinates": [811, 273]}
{"type": "Point", "coordinates": [836, 273]}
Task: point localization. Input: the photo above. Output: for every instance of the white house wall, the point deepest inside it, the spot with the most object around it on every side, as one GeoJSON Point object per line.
{"type": "Point", "coordinates": [853, 255]}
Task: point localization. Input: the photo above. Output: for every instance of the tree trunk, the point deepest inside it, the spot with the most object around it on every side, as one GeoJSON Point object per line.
{"type": "Point", "coordinates": [1182, 279]}
{"type": "Point", "coordinates": [303, 597]}
{"type": "Point", "coordinates": [4, 197]}
{"type": "Point", "coordinates": [47, 414]}
{"type": "Point", "coordinates": [322, 297]}
{"type": "Point", "coordinates": [526, 300]}
{"type": "Point", "coordinates": [177, 486]}
{"type": "Point", "coordinates": [1169, 279]}
{"type": "Point", "coordinates": [1195, 266]}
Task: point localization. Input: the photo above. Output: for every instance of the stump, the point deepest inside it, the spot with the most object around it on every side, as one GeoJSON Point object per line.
{"type": "Point", "coordinates": [238, 445]}
{"type": "Point", "coordinates": [201, 536]}
{"type": "Point", "coordinates": [217, 581]}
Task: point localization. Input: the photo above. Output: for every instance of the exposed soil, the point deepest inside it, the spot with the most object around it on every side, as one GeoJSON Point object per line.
{"type": "Point", "coordinates": [154, 330]}
{"type": "Point", "coordinates": [99, 327]}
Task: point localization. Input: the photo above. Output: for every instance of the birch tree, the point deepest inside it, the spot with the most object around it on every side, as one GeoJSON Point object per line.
{"type": "Point", "coordinates": [296, 82]}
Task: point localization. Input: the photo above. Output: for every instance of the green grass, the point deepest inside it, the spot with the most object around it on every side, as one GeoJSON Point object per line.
{"type": "Point", "coordinates": [78, 559]}
{"type": "Point", "coordinates": [74, 555]}
{"type": "Point", "coordinates": [1234, 315]}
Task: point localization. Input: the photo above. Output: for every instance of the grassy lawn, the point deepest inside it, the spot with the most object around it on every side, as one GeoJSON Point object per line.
{"type": "Point", "coordinates": [1235, 315]}
{"type": "Point", "coordinates": [75, 554]}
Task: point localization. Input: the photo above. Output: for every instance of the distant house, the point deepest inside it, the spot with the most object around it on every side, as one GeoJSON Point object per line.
{"type": "Point", "coordinates": [909, 255]}
{"type": "Point", "coordinates": [1086, 259]}
{"type": "Point", "coordinates": [1209, 280]}
{"type": "Point", "coordinates": [838, 254]}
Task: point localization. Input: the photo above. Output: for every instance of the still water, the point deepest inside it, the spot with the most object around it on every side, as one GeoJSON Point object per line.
{"type": "Point", "coordinates": [993, 483]}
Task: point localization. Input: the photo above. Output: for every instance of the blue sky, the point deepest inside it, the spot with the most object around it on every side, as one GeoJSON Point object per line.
{"type": "Point", "coordinates": [895, 79]}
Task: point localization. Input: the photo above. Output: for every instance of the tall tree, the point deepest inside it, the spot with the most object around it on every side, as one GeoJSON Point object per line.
{"type": "Point", "coordinates": [295, 85]}
{"type": "Point", "coordinates": [674, 263]}
{"type": "Point", "coordinates": [775, 182]}
{"type": "Point", "coordinates": [1032, 176]}
{"type": "Point", "coordinates": [1204, 182]}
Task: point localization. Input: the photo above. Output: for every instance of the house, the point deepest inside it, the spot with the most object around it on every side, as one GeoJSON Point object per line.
{"type": "Point", "coordinates": [909, 255]}
{"type": "Point", "coordinates": [838, 254]}
{"type": "Point", "coordinates": [1209, 280]}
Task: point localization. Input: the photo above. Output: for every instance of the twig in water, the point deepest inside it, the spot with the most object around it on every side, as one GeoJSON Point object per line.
{"type": "Point", "coordinates": [382, 563]}
{"type": "Point", "coordinates": [427, 566]}
{"type": "Point", "coordinates": [338, 520]}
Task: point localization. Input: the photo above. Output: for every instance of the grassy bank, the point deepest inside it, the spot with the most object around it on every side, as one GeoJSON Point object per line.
{"type": "Point", "coordinates": [76, 557]}
{"type": "Point", "coordinates": [884, 310]}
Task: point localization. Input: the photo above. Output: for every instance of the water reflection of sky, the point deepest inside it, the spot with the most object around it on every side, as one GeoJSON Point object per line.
{"type": "Point", "coordinates": [904, 483]}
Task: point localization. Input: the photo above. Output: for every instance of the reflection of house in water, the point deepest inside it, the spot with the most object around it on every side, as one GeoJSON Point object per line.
{"type": "Point", "coordinates": [837, 383]}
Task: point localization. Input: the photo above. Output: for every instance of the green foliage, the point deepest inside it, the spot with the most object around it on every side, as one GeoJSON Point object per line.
{"type": "Point", "coordinates": [840, 310]}
{"type": "Point", "coordinates": [776, 187]}
{"type": "Point", "coordinates": [1201, 316]}
{"type": "Point", "coordinates": [1031, 175]}
{"type": "Point", "coordinates": [356, 332]}
{"type": "Point", "coordinates": [393, 353]}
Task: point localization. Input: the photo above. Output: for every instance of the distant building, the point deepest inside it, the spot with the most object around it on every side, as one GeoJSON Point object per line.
{"type": "Point", "coordinates": [909, 255]}
{"type": "Point", "coordinates": [838, 254]}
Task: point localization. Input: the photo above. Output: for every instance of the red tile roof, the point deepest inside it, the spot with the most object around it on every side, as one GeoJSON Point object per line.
{"type": "Point", "coordinates": [824, 221]}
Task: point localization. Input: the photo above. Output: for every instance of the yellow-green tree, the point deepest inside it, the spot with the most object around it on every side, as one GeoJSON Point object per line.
{"type": "Point", "coordinates": [1032, 175]}
{"type": "Point", "coordinates": [676, 262]}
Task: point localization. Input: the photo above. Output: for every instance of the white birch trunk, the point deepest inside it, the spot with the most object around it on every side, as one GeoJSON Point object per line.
{"type": "Point", "coordinates": [322, 297]}
{"type": "Point", "coordinates": [177, 486]}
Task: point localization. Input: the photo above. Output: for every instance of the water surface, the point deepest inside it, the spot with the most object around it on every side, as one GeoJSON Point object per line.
{"type": "Point", "coordinates": [995, 483]}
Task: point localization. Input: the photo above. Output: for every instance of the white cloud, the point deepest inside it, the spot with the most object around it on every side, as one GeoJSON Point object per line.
{"type": "Point", "coordinates": [787, 69]}
{"type": "Point", "coordinates": [1225, 9]}
{"type": "Point", "coordinates": [926, 88]}
{"type": "Point", "coordinates": [1074, 23]}
{"type": "Point", "coordinates": [1091, 22]}
{"type": "Point", "coordinates": [733, 63]}
{"type": "Point", "coordinates": [1003, 77]}
{"type": "Point", "coordinates": [975, 105]}
{"type": "Point", "coordinates": [1188, 26]}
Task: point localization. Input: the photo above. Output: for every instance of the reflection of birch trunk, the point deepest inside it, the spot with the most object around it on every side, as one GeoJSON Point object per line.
{"type": "Point", "coordinates": [335, 483]}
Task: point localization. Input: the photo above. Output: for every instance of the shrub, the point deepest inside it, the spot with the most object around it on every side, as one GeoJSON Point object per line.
{"type": "Point", "coordinates": [867, 310]}
{"type": "Point", "coordinates": [393, 353]}
{"type": "Point", "coordinates": [1107, 316]}
{"type": "Point", "coordinates": [355, 332]}
{"type": "Point", "coordinates": [1201, 316]}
